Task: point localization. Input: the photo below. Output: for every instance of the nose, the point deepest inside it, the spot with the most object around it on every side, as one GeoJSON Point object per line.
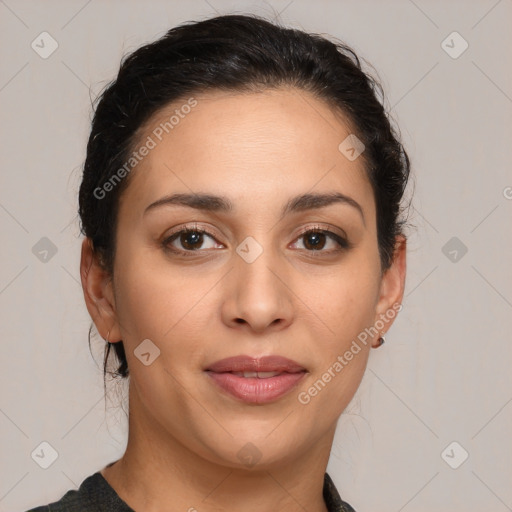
{"type": "Point", "coordinates": [258, 298]}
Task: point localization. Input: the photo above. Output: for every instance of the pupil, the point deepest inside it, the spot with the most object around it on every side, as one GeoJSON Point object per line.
{"type": "Point", "coordinates": [190, 239]}
{"type": "Point", "coordinates": [316, 241]}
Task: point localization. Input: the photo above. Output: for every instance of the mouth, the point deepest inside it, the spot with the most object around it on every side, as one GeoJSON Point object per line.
{"type": "Point", "coordinates": [256, 380]}
{"type": "Point", "coordinates": [258, 375]}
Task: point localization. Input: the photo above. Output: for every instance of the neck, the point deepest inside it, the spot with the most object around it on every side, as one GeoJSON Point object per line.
{"type": "Point", "coordinates": [158, 469]}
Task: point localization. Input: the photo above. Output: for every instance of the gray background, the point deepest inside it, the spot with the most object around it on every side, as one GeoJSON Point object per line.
{"type": "Point", "coordinates": [444, 373]}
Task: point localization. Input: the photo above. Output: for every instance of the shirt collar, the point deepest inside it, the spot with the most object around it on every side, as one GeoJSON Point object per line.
{"type": "Point", "coordinates": [332, 498]}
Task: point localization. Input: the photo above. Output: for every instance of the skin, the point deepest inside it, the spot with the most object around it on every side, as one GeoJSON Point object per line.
{"type": "Point", "coordinates": [257, 149]}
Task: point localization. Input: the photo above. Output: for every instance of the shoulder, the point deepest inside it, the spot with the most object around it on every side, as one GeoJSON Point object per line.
{"type": "Point", "coordinates": [94, 494]}
{"type": "Point", "coordinates": [72, 501]}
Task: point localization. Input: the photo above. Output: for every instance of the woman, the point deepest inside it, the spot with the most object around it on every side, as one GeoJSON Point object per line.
{"type": "Point", "coordinates": [243, 252]}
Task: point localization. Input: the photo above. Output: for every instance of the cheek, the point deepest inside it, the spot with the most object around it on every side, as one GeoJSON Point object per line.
{"type": "Point", "coordinates": [140, 301]}
{"type": "Point", "coordinates": [160, 303]}
{"type": "Point", "coordinates": [344, 299]}
{"type": "Point", "coordinates": [344, 306]}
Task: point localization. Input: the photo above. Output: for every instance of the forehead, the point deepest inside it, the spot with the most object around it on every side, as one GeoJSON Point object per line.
{"type": "Point", "coordinates": [261, 145]}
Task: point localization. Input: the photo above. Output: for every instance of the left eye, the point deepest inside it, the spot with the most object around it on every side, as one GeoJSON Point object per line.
{"type": "Point", "coordinates": [317, 239]}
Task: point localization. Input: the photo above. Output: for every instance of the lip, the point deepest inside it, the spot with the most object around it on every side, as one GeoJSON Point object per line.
{"type": "Point", "coordinates": [245, 363]}
{"type": "Point", "coordinates": [255, 390]}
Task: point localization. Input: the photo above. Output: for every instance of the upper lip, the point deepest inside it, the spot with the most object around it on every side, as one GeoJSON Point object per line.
{"type": "Point", "coordinates": [245, 363]}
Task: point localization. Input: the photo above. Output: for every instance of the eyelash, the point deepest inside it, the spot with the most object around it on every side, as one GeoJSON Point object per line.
{"type": "Point", "coordinates": [343, 243]}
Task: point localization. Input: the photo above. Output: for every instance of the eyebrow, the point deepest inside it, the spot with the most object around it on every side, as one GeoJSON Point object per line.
{"type": "Point", "coordinates": [213, 203]}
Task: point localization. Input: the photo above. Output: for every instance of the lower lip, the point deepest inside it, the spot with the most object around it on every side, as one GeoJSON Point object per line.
{"type": "Point", "coordinates": [254, 390]}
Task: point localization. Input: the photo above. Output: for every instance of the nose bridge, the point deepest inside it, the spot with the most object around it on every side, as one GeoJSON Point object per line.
{"type": "Point", "coordinates": [253, 263]}
{"type": "Point", "coordinates": [260, 297]}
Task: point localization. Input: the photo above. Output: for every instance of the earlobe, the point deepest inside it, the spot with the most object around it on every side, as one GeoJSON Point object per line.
{"type": "Point", "coordinates": [380, 341]}
{"type": "Point", "coordinates": [98, 293]}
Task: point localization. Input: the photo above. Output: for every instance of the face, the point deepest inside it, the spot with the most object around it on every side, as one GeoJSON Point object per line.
{"type": "Point", "coordinates": [259, 273]}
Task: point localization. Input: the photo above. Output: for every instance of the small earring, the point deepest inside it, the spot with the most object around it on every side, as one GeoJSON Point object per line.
{"type": "Point", "coordinates": [108, 334]}
{"type": "Point", "coordinates": [381, 340]}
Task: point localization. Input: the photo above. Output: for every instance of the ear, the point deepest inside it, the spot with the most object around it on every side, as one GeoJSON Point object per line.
{"type": "Point", "coordinates": [98, 293]}
{"type": "Point", "coordinates": [392, 287]}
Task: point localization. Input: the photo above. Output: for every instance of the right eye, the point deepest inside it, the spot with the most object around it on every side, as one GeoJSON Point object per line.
{"type": "Point", "coordinates": [190, 239]}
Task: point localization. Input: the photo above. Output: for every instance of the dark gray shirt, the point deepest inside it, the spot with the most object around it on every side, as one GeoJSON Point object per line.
{"type": "Point", "coordinates": [96, 495]}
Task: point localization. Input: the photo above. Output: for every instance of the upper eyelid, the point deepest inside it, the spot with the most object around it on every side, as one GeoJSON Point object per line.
{"type": "Point", "coordinates": [324, 228]}
{"type": "Point", "coordinates": [193, 228]}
